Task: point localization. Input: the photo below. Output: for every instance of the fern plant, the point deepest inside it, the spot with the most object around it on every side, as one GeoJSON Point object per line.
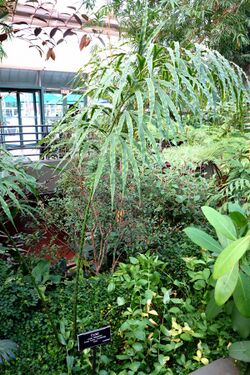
{"type": "Point", "coordinates": [15, 183]}
{"type": "Point", "coordinates": [236, 170]}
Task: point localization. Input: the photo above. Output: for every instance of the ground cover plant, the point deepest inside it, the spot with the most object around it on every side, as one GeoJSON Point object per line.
{"type": "Point", "coordinates": [156, 319]}
{"type": "Point", "coordinates": [118, 170]}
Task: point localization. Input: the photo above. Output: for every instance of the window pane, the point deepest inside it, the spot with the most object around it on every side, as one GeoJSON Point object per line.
{"type": "Point", "coordinates": [9, 123]}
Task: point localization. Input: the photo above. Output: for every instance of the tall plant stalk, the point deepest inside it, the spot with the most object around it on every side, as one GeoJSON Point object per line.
{"type": "Point", "coordinates": [79, 260]}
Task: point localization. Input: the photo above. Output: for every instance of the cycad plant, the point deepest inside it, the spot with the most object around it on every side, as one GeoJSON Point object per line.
{"type": "Point", "coordinates": [135, 99]}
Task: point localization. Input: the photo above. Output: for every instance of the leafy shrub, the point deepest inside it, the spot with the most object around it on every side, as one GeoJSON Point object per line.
{"type": "Point", "coordinates": [169, 201]}
{"type": "Point", "coordinates": [163, 330]}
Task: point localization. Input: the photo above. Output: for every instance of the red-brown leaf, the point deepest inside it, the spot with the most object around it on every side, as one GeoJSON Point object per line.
{"type": "Point", "coordinates": [3, 37]}
{"type": "Point", "coordinates": [84, 16]}
{"type": "Point", "coordinates": [20, 23]}
{"type": "Point", "coordinates": [51, 54]}
{"type": "Point", "coordinates": [68, 32]}
{"type": "Point", "coordinates": [60, 41]}
{"type": "Point", "coordinates": [84, 42]}
{"type": "Point", "coordinates": [53, 32]}
{"type": "Point", "coordinates": [37, 31]}
{"type": "Point", "coordinates": [78, 19]}
{"type": "Point", "coordinates": [40, 19]}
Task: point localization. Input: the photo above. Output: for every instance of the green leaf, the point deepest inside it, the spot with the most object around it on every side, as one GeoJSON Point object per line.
{"type": "Point", "coordinates": [164, 330]}
{"type": "Point", "coordinates": [140, 335]}
{"type": "Point", "coordinates": [112, 168]}
{"type": "Point", "coordinates": [235, 207]}
{"type": "Point", "coordinates": [202, 239]}
{"type": "Point", "coordinates": [149, 294]}
{"type": "Point", "coordinates": [70, 361]}
{"type": "Point", "coordinates": [41, 271]}
{"type": "Point", "coordinates": [139, 100]}
{"type": "Point", "coordinates": [111, 287]}
{"type": "Point", "coordinates": [242, 295]}
{"type": "Point", "coordinates": [151, 96]}
{"type": "Point", "coordinates": [230, 256]}
{"type": "Point", "coordinates": [212, 309]}
{"type": "Point", "coordinates": [61, 339]}
{"type": "Point", "coordinates": [240, 351]}
{"type": "Point", "coordinates": [239, 219]}
{"type": "Point", "coordinates": [134, 366]}
{"type": "Point", "coordinates": [133, 260]}
{"type": "Point", "coordinates": [6, 210]}
{"type": "Point", "coordinates": [224, 241]}
{"type": "Point", "coordinates": [124, 166]}
{"type": "Point", "coordinates": [240, 323]}
{"type": "Point", "coordinates": [121, 301]}
{"type": "Point", "coordinates": [137, 347]}
{"type": "Point", "coordinates": [222, 224]}
{"type": "Point", "coordinates": [101, 163]}
{"type": "Point", "coordinates": [225, 285]}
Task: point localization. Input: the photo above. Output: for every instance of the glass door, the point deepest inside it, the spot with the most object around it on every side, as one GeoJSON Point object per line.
{"type": "Point", "coordinates": [9, 121]}
{"type": "Point", "coordinates": [20, 122]}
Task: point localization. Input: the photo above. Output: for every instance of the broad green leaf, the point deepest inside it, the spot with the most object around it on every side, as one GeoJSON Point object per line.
{"type": "Point", "coordinates": [221, 223]}
{"type": "Point", "coordinates": [242, 295]}
{"type": "Point", "coordinates": [225, 285]}
{"type": "Point", "coordinates": [230, 256]}
{"type": "Point", "coordinates": [41, 271]}
{"type": "Point", "coordinates": [239, 219]}
{"type": "Point", "coordinates": [224, 241]}
{"type": "Point", "coordinates": [212, 309]}
{"type": "Point", "coordinates": [240, 323]}
{"type": "Point", "coordinates": [240, 351]}
{"type": "Point", "coordinates": [202, 239]}
{"type": "Point", "coordinates": [235, 207]}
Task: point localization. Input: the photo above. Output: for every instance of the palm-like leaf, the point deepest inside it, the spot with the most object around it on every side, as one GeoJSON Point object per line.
{"type": "Point", "coordinates": [147, 97]}
{"type": "Point", "coordinates": [15, 182]}
{"type": "Point", "coordinates": [7, 350]}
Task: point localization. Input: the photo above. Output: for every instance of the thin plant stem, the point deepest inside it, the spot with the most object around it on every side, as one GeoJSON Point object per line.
{"type": "Point", "coordinates": [79, 260]}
